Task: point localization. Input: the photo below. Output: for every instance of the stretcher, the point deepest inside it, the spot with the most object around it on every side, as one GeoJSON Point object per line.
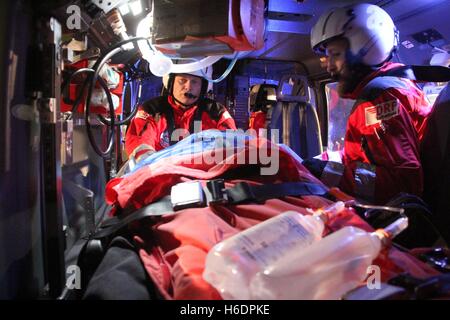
{"type": "Point", "coordinates": [171, 208]}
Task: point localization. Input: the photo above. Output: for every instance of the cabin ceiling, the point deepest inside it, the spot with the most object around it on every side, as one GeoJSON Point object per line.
{"type": "Point", "coordinates": [289, 23]}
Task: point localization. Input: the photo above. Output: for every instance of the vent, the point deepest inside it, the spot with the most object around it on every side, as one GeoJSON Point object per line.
{"type": "Point", "coordinates": [287, 16]}
{"type": "Point", "coordinates": [427, 36]}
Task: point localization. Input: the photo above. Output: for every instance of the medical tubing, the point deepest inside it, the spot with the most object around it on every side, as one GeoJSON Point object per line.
{"type": "Point", "coordinates": [107, 122]}
{"type": "Point", "coordinates": [97, 67]}
{"type": "Point", "coordinates": [110, 105]}
{"type": "Point", "coordinates": [77, 100]}
{"type": "Point", "coordinates": [226, 72]}
{"type": "Point", "coordinates": [194, 66]}
{"type": "Point", "coordinates": [104, 154]}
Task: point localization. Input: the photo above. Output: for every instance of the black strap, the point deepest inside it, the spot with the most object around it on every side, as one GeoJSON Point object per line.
{"type": "Point", "coordinates": [420, 73]}
{"type": "Point", "coordinates": [161, 207]}
{"type": "Point", "coordinates": [242, 192]}
{"type": "Point", "coordinates": [303, 122]}
{"type": "Point", "coordinates": [285, 125]}
{"type": "Point", "coordinates": [378, 85]}
{"type": "Point", "coordinates": [432, 287]}
{"type": "Point", "coordinates": [197, 117]}
{"type": "Point", "coordinates": [390, 79]}
{"type": "Point", "coordinates": [160, 106]}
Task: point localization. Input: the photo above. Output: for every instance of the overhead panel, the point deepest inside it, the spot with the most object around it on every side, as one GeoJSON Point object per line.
{"type": "Point", "coordinates": [288, 16]}
{"type": "Point", "coordinates": [293, 16]}
{"type": "Point", "coordinates": [287, 26]}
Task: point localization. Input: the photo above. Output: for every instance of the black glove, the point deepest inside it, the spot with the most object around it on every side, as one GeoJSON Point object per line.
{"type": "Point", "coordinates": [315, 166]}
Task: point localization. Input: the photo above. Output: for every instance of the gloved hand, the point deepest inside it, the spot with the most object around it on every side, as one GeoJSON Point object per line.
{"type": "Point", "coordinates": [132, 162]}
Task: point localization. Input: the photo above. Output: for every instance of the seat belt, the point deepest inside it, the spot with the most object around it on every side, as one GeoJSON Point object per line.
{"type": "Point", "coordinates": [389, 79]}
{"type": "Point", "coordinates": [243, 192]}
{"type": "Point", "coordinates": [216, 193]}
{"type": "Point", "coordinates": [420, 73]}
{"type": "Point", "coordinates": [196, 118]}
{"type": "Point", "coordinates": [286, 124]}
{"type": "Point", "coordinates": [110, 226]}
{"type": "Point", "coordinates": [303, 133]}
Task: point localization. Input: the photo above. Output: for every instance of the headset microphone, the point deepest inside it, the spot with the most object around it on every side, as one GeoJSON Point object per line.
{"type": "Point", "coordinates": [190, 95]}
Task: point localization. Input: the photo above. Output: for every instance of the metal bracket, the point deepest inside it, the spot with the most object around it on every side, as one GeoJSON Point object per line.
{"type": "Point", "coordinates": [86, 198]}
{"type": "Point", "coordinates": [106, 6]}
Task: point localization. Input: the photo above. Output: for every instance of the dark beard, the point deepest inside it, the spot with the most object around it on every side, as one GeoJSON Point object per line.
{"type": "Point", "coordinates": [350, 77]}
{"type": "Point", "coordinates": [346, 84]}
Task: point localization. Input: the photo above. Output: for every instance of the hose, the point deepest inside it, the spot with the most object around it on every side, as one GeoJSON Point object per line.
{"type": "Point", "coordinates": [110, 105]}
{"type": "Point", "coordinates": [107, 122]}
{"type": "Point", "coordinates": [93, 76]}
{"type": "Point", "coordinates": [226, 72]}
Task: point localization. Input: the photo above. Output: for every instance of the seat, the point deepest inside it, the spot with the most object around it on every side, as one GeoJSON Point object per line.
{"type": "Point", "coordinates": [261, 99]}
{"type": "Point", "coordinates": [435, 156]}
{"type": "Point", "coordinates": [295, 118]}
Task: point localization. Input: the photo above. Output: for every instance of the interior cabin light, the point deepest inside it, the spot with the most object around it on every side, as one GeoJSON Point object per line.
{"type": "Point", "coordinates": [136, 7]}
{"type": "Point", "coordinates": [124, 9]}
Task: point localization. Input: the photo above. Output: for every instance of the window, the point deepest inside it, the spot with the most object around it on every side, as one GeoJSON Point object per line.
{"type": "Point", "coordinates": [253, 81]}
{"type": "Point", "coordinates": [432, 90]}
{"type": "Point", "coordinates": [338, 112]}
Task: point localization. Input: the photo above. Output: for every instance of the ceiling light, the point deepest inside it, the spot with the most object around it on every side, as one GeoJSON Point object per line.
{"type": "Point", "coordinates": [136, 7]}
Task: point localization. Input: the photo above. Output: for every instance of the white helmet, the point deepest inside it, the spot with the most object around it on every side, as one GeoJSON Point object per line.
{"type": "Point", "coordinates": [370, 31]}
{"type": "Point", "coordinates": [205, 74]}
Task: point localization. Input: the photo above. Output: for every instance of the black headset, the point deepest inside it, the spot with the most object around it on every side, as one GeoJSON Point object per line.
{"type": "Point", "coordinates": [172, 79]}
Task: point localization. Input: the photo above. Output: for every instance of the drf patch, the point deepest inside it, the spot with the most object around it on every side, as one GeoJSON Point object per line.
{"type": "Point", "coordinates": [382, 111]}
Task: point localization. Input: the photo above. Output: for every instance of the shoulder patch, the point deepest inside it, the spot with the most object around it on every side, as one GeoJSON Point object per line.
{"type": "Point", "coordinates": [141, 114]}
{"type": "Point", "coordinates": [382, 111]}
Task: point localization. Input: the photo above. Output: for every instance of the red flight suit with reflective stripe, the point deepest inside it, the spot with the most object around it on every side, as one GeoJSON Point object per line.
{"type": "Point", "coordinates": [147, 133]}
{"type": "Point", "coordinates": [385, 133]}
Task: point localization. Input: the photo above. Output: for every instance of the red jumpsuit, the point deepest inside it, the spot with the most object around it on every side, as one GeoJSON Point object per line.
{"type": "Point", "coordinates": [257, 120]}
{"type": "Point", "coordinates": [381, 151]}
{"type": "Point", "coordinates": [149, 133]}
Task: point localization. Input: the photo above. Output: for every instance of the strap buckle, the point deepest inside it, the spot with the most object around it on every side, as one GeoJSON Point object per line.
{"type": "Point", "coordinates": [187, 195]}
{"type": "Point", "coordinates": [218, 193]}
